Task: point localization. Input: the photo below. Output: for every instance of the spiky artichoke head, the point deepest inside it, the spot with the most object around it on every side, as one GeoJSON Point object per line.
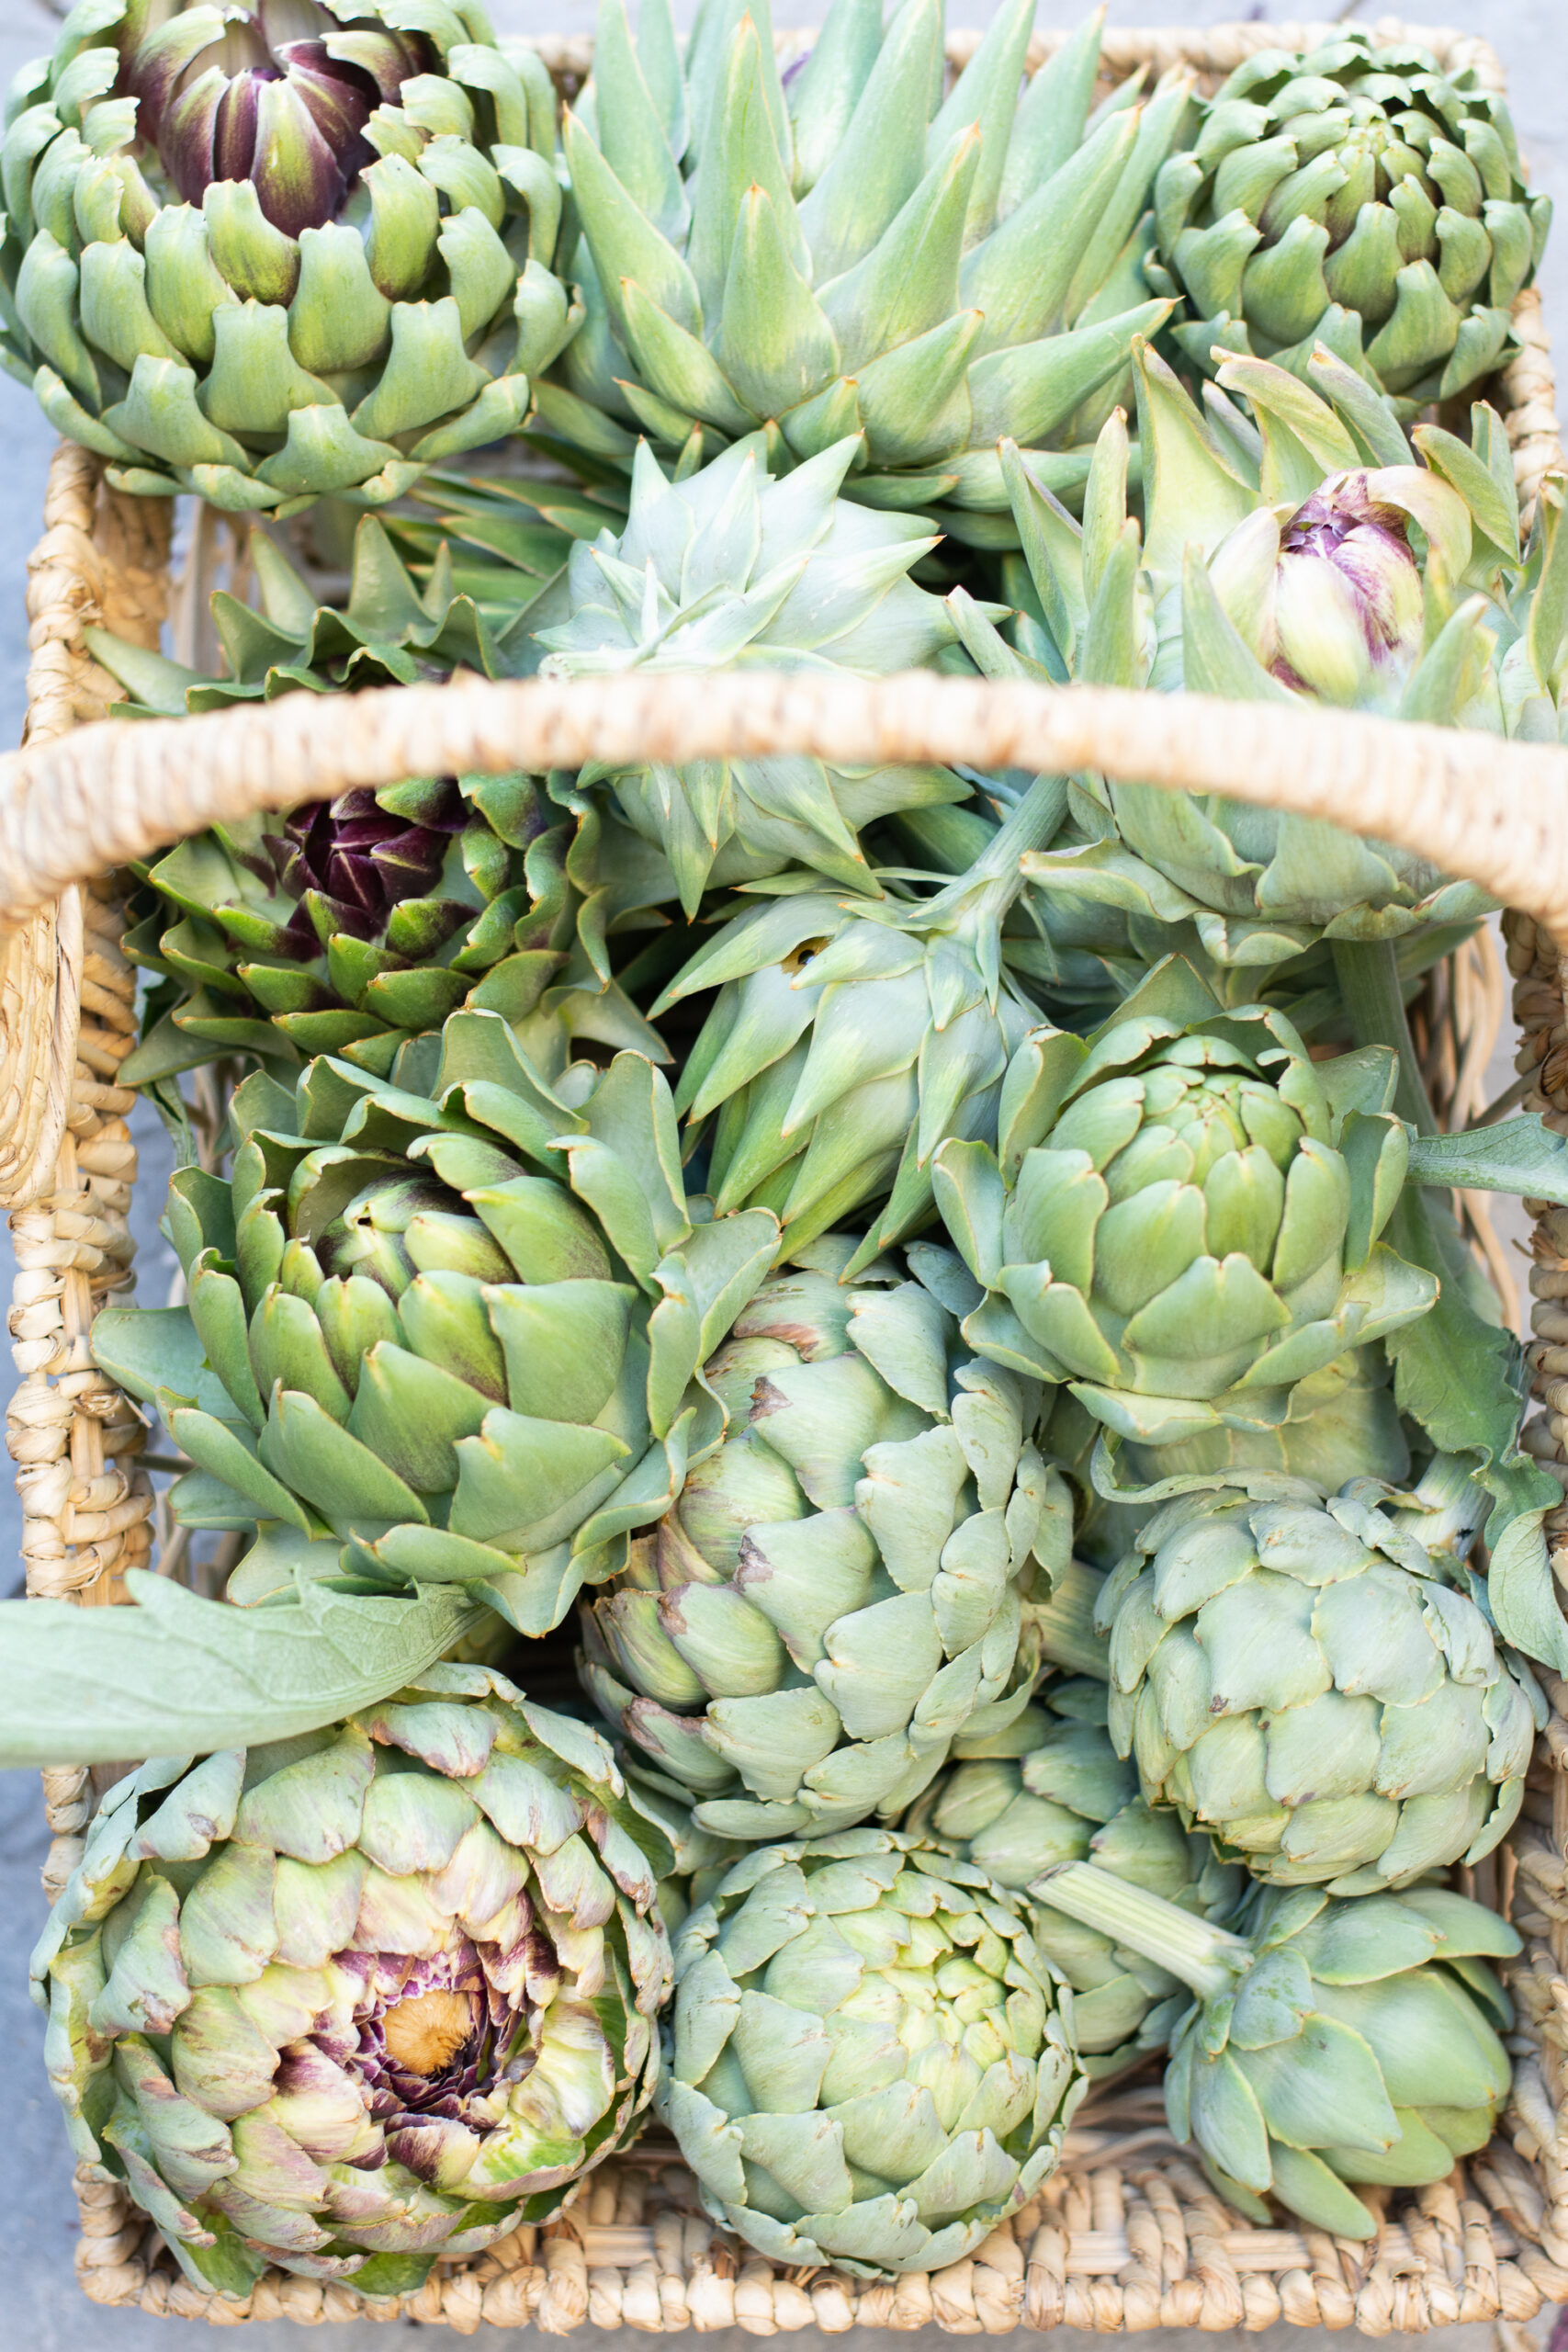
{"type": "Point", "coordinates": [1355, 196]}
{"type": "Point", "coordinates": [365, 1998]}
{"type": "Point", "coordinates": [1183, 1219]}
{"type": "Point", "coordinates": [1330, 2044]}
{"type": "Point", "coordinates": [448, 1328]}
{"type": "Point", "coordinates": [835, 1596]}
{"type": "Point", "coordinates": [845, 251]}
{"type": "Point", "coordinates": [281, 249]}
{"type": "Point", "coordinates": [731, 569]}
{"type": "Point", "coordinates": [1299, 546]}
{"type": "Point", "coordinates": [872, 2064]}
{"type": "Point", "coordinates": [1316, 1682]}
{"type": "Point", "coordinates": [1051, 1788]}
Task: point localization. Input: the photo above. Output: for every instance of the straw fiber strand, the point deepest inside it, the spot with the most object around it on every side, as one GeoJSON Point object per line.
{"type": "Point", "coordinates": [1128, 2234]}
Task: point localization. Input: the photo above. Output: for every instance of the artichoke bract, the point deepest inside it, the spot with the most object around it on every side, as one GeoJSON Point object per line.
{"type": "Point", "coordinates": [1332, 2045]}
{"type": "Point", "coordinates": [834, 1597]}
{"type": "Point", "coordinates": [288, 248]}
{"type": "Point", "coordinates": [1317, 1682]}
{"type": "Point", "coordinates": [1358, 197]}
{"type": "Point", "coordinates": [845, 252]}
{"type": "Point", "coordinates": [365, 1998]}
{"type": "Point", "coordinates": [1182, 1218]}
{"type": "Point", "coordinates": [1052, 1789]}
{"type": "Point", "coordinates": [730, 569]}
{"type": "Point", "coordinates": [450, 1333]}
{"type": "Point", "coordinates": [871, 2062]}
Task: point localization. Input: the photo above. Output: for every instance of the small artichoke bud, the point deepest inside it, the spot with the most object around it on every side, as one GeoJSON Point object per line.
{"type": "Point", "coordinates": [1349, 603]}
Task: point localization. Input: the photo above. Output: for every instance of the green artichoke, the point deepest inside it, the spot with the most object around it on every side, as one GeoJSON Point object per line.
{"type": "Point", "coordinates": [1317, 1683]}
{"type": "Point", "coordinates": [350, 923]}
{"type": "Point", "coordinates": [1332, 2043]}
{"type": "Point", "coordinates": [1355, 196]}
{"type": "Point", "coordinates": [730, 569]}
{"type": "Point", "coordinates": [850, 1038]}
{"type": "Point", "coordinates": [1183, 1219]}
{"type": "Point", "coordinates": [834, 1596]}
{"type": "Point", "coordinates": [283, 249]}
{"type": "Point", "coordinates": [447, 1329]}
{"type": "Point", "coordinates": [365, 1998]}
{"type": "Point", "coordinates": [846, 252]}
{"type": "Point", "coordinates": [873, 2064]}
{"type": "Point", "coordinates": [1297, 551]}
{"type": "Point", "coordinates": [1052, 1789]}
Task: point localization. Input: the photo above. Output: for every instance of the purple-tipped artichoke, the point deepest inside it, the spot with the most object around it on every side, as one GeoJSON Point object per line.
{"type": "Point", "coordinates": [280, 96]}
{"type": "Point", "coordinates": [282, 248]}
{"type": "Point", "coordinates": [363, 1997]}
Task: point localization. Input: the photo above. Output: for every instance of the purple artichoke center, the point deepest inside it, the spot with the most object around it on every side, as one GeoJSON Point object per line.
{"type": "Point", "coordinates": [359, 860]}
{"type": "Point", "coordinates": [436, 2041]}
{"type": "Point", "coordinates": [281, 98]}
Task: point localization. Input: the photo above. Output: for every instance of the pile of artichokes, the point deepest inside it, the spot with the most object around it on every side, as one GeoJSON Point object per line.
{"type": "Point", "coordinates": [829, 1423]}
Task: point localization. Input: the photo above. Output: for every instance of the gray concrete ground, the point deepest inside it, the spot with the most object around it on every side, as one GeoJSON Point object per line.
{"type": "Point", "coordinates": [40, 2308]}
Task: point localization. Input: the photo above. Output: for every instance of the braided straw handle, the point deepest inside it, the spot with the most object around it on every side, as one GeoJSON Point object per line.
{"type": "Point", "coordinates": [1492, 811]}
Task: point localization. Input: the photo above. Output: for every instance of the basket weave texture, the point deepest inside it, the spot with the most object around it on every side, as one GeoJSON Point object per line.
{"type": "Point", "coordinates": [1128, 2234]}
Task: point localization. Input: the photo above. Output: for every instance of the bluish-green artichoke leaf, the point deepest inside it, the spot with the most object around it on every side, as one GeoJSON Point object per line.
{"type": "Point", "coordinates": [1519, 1155]}
{"type": "Point", "coordinates": [1225, 2119]}
{"type": "Point", "coordinates": [175, 1670]}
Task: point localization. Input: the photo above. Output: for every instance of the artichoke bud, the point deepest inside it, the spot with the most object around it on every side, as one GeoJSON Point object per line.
{"type": "Point", "coordinates": [303, 321]}
{"type": "Point", "coordinates": [1349, 611]}
{"type": "Point", "coordinates": [1355, 198]}
{"type": "Point", "coordinates": [1328, 2044]}
{"type": "Point", "coordinates": [445, 1369]}
{"type": "Point", "coordinates": [833, 1599]}
{"type": "Point", "coordinates": [872, 2064]}
{"type": "Point", "coordinates": [1173, 1226]}
{"type": "Point", "coordinates": [401, 1995]}
{"type": "Point", "coordinates": [1310, 1680]}
{"type": "Point", "coordinates": [698, 579]}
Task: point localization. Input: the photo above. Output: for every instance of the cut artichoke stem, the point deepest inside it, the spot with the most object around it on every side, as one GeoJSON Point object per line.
{"type": "Point", "coordinates": [1455, 1504]}
{"type": "Point", "coordinates": [1368, 973]}
{"type": "Point", "coordinates": [1207, 1959]}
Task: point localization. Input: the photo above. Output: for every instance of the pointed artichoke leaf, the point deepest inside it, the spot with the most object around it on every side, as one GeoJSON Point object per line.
{"type": "Point", "coordinates": [1520, 1155]}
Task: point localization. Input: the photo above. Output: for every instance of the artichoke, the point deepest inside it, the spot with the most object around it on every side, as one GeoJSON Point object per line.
{"type": "Point", "coordinates": [288, 248]}
{"type": "Point", "coordinates": [1299, 551]}
{"type": "Point", "coordinates": [850, 1038]}
{"type": "Point", "coordinates": [1183, 1219]}
{"type": "Point", "coordinates": [873, 2064]}
{"type": "Point", "coordinates": [350, 923]}
{"type": "Point", "coordinates": [1318, 1682]}
{"type": "Point", "coordinates": [834, 1596]}
{"type": "Point", "coordinates": [848, 252]}
{"type": "Point", "coordinates": [1332, 2043]}
{"type": "Point", "coordinates": [444, 1332]}
{"type": "Point", "coordinates": [363, 1999]}
{"type": "Point", "coordinates": [730, 569]}
{"type": "Point", "coordinates": [1052, 1789]}
{"type": "Point", "coordinates": [1355, 196]}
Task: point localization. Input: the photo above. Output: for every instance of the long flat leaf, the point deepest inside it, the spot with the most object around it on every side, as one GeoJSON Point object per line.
{"type": "Point", "coordinates": [1518, 1155]}
{"type": "Point", "coordinates": [176, 1675]}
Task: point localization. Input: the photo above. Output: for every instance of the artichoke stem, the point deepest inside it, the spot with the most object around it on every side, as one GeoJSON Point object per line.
{"type": "Point", "coordinates": [1456, 1503]}
{"type": "Point", "coordinates": [1368, 974]}
{"type": "Point", "coordinates": [1205, 1958]}
{"type": "Point", "coordinates": [1032, 822]}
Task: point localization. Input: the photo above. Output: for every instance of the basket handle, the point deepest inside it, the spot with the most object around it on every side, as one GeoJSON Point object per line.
{"type": "Point", "coordinates": [1494, 812]}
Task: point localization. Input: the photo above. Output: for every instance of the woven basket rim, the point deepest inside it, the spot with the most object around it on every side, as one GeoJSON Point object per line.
{"type": "Point", "coordinates": [1125, 2247]}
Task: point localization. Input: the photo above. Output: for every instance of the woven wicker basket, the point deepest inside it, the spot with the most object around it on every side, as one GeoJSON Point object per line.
{"type": "Point", "coordinates": [1127, 2235]}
